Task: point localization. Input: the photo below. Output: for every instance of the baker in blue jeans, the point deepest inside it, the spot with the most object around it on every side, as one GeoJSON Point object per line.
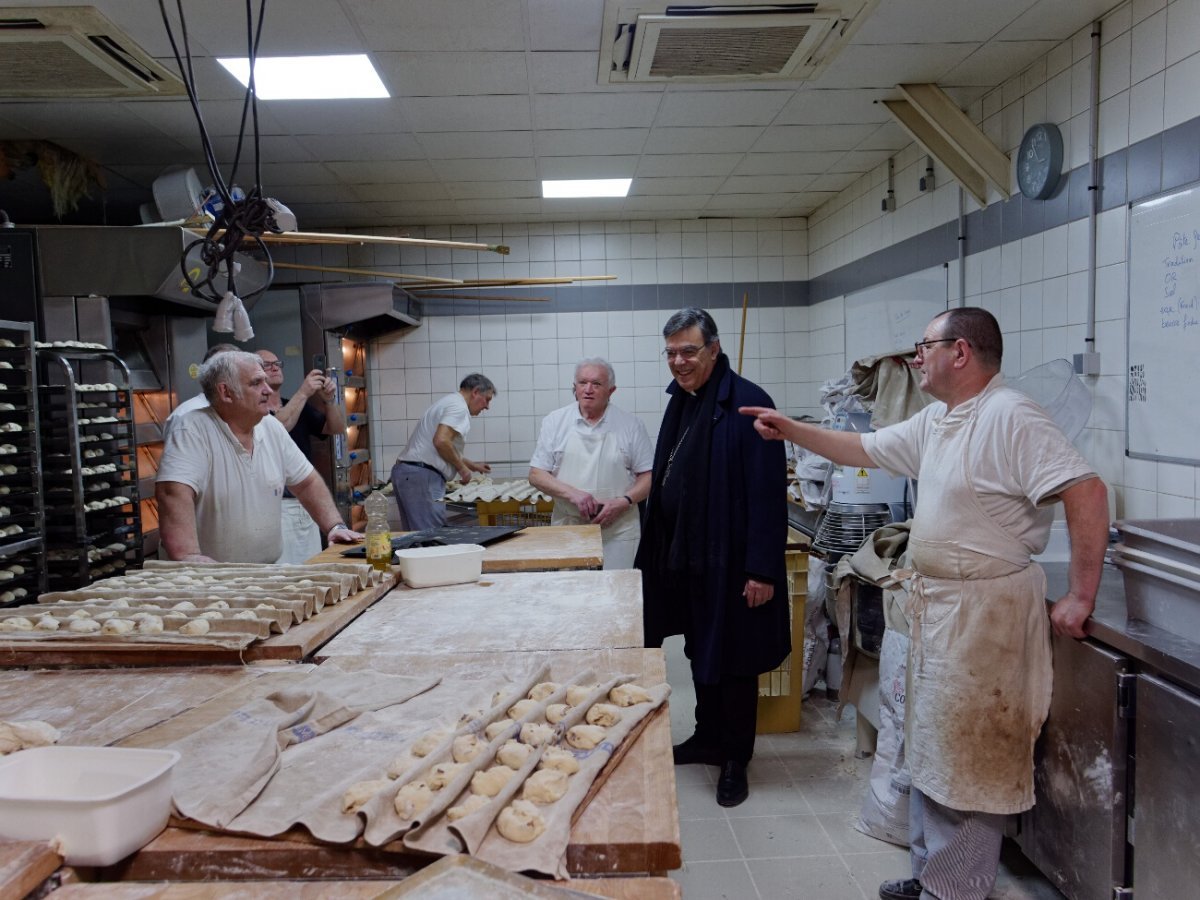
{"type": "Point", "coordinates": [434, 454]}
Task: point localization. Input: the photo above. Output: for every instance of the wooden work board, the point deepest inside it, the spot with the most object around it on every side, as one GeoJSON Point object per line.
{"type": "Point", "coordinates": [630, 826]}
{"type": "Point", "coordinates": [293, 645]}
{"type": "Point", "coordinates": [535, 549]}
{"type": "Point", "coordinates": [24, 865]}
{"type": "Point", "coordinates": [500, 613]}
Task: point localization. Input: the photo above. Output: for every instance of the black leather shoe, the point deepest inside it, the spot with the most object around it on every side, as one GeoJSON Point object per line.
{"type": "Point", "coordinates": [732, 788]}
{"type": "Point", "coordinates": [693, 751]}
{"type": "Point", "coordinates": [901, 889]}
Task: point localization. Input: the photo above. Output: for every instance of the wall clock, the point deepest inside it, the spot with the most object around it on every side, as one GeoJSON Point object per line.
{"type": "Point", "coordinates": [1039, 161]}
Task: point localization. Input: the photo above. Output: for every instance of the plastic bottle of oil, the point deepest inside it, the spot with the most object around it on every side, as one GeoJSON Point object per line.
{"type": "Point", "coordinates": [378, 534]}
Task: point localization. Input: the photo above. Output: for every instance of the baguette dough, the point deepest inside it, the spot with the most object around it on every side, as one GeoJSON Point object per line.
{"type": "Point", "coordinates": [442, 774]}
{"type": "Point", "coordinates": [358, 794]}
{"type": "Point", "coordinates": [468, 806]}
{"type": "Point", "coordinates": [629, 695]}
{"type": "Point", "coordinates": [586, 737]}
{"type": "Point", "coordinates": [412, 799]}
{"type": "Point", "coordinates": [556, 712]}
{"type": "Point", "coordinates": [466, 747]}
{"type": "Point", "coordinates": [536, 733]}
{"type": "Point", "coordinates": [522, 708]}
{"type": "Point", "coordinates": [514, 754]}
{"type": "Point", "coordinates": [541, 691]}
{"type": "Point", "coordinates": [603, 714]}
{"type": "Point", "coordinates": [521, 822]}
{"type": "Point", "coordinates": [490, 782]}
{"type": "Point", "coordinates": [497, 728]}
{"type": "Point", "coordinates": [559, 758]}
{"type": "Point", "coordinates": [545, 786]}
{"type": "Point", "coordinates": [577, 693]}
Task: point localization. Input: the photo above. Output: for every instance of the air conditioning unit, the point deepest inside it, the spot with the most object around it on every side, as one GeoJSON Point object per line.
{"type": "Point", "coordinates": [655, 42]}
{"type": "Point", "coordinates": [73, 52]}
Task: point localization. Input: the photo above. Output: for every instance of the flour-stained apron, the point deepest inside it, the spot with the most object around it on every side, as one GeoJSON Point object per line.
{"type": "Point", "coordinates": [980, 664]}
{"type": "Point", "coordinates": [594, 463]}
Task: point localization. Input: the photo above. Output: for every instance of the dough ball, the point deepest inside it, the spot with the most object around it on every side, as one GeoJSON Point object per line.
{"type": "Point", "coordinates": [358, 794]}
{"type": "Point", "coordinates": [545, 786]}
{"type": "Point", "coordinates": [556, 712]}
{"type": "Point", "coordinates": [629, 695]}
{"type": "Point", "coordinates": [466, 747]}
{"type": "Point", "coordinates": [18, 623]}
{"type": "Point", "coordinates": [218, 604]}
{"type": "Point", "coordinates": [119, 603]}
{"type": "Point", "coordinates": [513, 754]}
{"type": "Point", "coordinates": [80, 614]}
{"type": "Point", "coordinates": [536, 733]}
{"type": "Point", "coordinates": [47, 623]}
{"type": "Point", "coordinates": [521, 822]}
{"type": "Point", "coordinates": [442, 774]}
{"type": "Point", "coordinates": [35, 733]}
{"type": "Point", "coordinates": [400, 765]}
{"type": "Point", "coordinates": [427, 743]}
{"type": "Point", "coordinates": [470, 716]}
{"type": "Point", "coordinates": [85, 626]}
{"type": "Point", "coordinates": [560, 759]}
{"type": "Point", "coordinates": [412, 799]}
{"type": "Point", "coordinates": [603, 714]}
{"type": "Point", "coordinates": [184, 604]}
{"type": "Point", "coordinates": [578, 693]}
{"type": "Point", "coordinates": [468, 806]}
{"type": "Point", "coordinates": [150, 625]}
{"type": "Point", "coordinates": [105, 616]}
{"type": "Point", "coordinates": [586, 737]}
{"type": "Point", "coordinates": [522, 708]}
{"type": "Point", "coordinates": [194, 627]}
{"type": "Point", "coordinates": [497, 728]}
{"type": "Point", "coordinates": [246, 615]}
{"type": "Point", "coordinates": [118, 626]}
{"type": "Point", "coordinates": [211, 614]}
{"type": "Point", "coordinates": [490, 782]}
{"type": "Point", "coordinates": [542, 691]}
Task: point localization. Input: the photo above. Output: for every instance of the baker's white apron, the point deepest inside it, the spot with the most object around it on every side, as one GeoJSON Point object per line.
{"type": "Point", "coordinates": [980, 663]}
{"type": "Point", "coordinates": [594, 463]}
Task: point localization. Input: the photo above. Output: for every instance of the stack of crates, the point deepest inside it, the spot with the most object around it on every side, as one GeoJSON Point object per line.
{"type": "Point", "coordinates": [779, 690]}
{"type": "Point", "coordinates": [513, 512]}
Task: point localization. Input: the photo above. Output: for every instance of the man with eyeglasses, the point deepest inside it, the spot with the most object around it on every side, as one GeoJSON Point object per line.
{"type": "Point", "coordinates": [594, 459]}
{"type": "Point", "coordinates": [990, 465]}
{"type": "Point", "coordinates": [311, 412]}
{"type": "Point", "coordinates": [712, 549]}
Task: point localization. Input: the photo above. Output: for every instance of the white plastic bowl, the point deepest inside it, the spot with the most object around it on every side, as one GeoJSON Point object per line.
{"type": "Point", "coordinates": [431, 566]}
{"type": "Point", "coordinates": [101, 803]}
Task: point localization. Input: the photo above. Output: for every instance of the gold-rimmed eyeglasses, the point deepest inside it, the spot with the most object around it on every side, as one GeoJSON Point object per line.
{"type": "Point", "coordinates": [920, 346]}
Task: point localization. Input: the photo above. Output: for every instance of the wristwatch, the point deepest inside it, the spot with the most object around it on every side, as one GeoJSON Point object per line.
{"type": "Point", "coordinates": [334, 528]}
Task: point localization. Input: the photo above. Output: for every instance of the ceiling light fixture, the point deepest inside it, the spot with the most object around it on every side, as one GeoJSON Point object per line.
{"type": "Point", "coordinates": [587, 187]}
{"type": "Point", "coordinates": [342, 77]}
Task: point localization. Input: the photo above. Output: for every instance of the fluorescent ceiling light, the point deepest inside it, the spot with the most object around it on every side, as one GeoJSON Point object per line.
{"type": "Point", "coordinates": [588, 187]}
{"type": "Point", "coordinates": [309, 77]}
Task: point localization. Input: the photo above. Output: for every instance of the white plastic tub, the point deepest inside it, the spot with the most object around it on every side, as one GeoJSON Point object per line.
{"type": "Point", "coordinates": [100, 803]}
{"type": "Point", "coordinates": [431, 566]}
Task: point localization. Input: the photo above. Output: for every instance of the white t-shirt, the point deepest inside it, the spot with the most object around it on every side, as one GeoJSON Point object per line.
{"type": "Point", "coordinates": [239, 495]}
{"type": "Point", "coordinates": [450, 411]}
{"type": "Point", "coordinates": [628, 430]}
{"type": "Point", "coordinates": [197, 402]}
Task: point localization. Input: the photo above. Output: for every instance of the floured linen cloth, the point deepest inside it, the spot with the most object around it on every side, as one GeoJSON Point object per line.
{"type": "Point", "coordinates": [891, 385]}
{"type": "Point", "coordinates": [225, 766]}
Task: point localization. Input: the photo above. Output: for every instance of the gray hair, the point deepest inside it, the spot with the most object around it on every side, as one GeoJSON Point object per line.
{"type": "Point", "coordinates": [601, 363]}
{"type": "Point", "coordinates": [225, 367]}
{"type": "Point", "coordinates": [477, 382]}
{"type": "Point", "coordinates": [217, 348]}
{"type": "Point", "coordinates": [688, 317]}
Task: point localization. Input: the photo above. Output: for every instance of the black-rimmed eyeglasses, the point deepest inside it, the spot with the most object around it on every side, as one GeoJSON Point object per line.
{"type": "Point", "coordinates": [273, 364]}
{"type": "Point", "coordinates": [920, 346]}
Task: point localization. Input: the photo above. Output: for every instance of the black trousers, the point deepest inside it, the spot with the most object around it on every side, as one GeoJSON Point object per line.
{"type": "Point", "coordinates": [726, 716]}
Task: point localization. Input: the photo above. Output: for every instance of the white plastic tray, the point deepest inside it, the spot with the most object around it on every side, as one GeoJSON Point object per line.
{"type": "Point", "coordinates": [433, 566]}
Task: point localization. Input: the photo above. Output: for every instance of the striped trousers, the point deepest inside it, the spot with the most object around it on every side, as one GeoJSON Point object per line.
{"type": "Point", "coordinates": [954, 852]}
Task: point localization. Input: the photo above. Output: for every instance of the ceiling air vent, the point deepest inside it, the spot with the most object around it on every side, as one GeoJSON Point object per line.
{"type": "Point", "coordinates": [739, 41]}
{"type": "Point", "coordinates": [73, 52]}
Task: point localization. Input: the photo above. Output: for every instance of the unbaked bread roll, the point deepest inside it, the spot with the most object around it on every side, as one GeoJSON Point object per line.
{"type": "Point", "coordinates": [194, 627]}
{"type": "Point", "coordinates": [543, 690]}
{"type": "Point", "coordinates": [17, 623]}
{"type": "Point", "coordinates": [468, 806]}
{"type": "Point", "coordinates": [577, 693]}
{"type": "Point", "coordinates": [521, 822]}
{"type": "Point", "coordinates": [536, 733]}
{"type": "Point", "coordinates": [442, 774]}
{"type": "Point", "coordinates": [498, 728]}
{"type": "Point", "coordinates": [604, 714]}
{"type": "Point", "coordinates": [84, 626]}
{"type": "Point", "coordinates": [559, 758]}
{"type": "Point", "coordinates": [427, 743]}
{"type": "Point", "coordinates": [150, 625]}
{"type": "Point", "coordinates": [47, 623]}
{"type": "Point", "coordinates": [522, 708]}
{"type": "Point", "coordinates": [412, 799]}
{"type": "Point", "coordinates": [545, 786]}
{"type": "Point", "coordinates": [400, 765]}
{"type": "Point", "coordinates": [556, 712]}
{"type": "Point", "coordinates": [490, 782]}
{"type": "Point", "coordinates": [466, 747]}
{"type": "Point", "coordinates": [358, 794]}
{"type": "Point", "coordinates": [16, 736]}
{"type": "Point", "coordinates": [629, 695]}
{"type": "Point", "coordinates": [586, 737]}
{"type": "Point", "coordinates": [513, 754]}
{"type": "Point", "coordinates": [470, 716]}
{"type": "Point", "coordinates": [118, 626]}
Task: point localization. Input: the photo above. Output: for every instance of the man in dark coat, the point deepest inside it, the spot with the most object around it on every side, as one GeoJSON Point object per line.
{"type": "Point", "coordinates": [712, 548]}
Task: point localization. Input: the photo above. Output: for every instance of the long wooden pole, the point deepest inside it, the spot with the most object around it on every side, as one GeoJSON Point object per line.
{"type": "Point", "coordinates": [322, 237]}
{"type": "Point", "coordinates": [742, 339]}
{"type": "Point", "coordinates": [391, 276]}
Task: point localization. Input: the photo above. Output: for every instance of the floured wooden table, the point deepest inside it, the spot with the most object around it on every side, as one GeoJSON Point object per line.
{"type": "Point", "coordinates": [507, 612]}
{"type": "Point", "coordinates": [630, 826]}
{"type": "Point", "coordinates": [535, 549]}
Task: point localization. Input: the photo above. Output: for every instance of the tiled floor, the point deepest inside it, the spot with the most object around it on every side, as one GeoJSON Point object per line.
{"type": "Point", "coordinates": [794, 837]}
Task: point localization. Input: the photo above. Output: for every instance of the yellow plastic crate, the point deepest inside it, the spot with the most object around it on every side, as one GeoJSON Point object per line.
{"type": "Point", "coordinates": [779, 690]}
{"type": "Point", "coordinates": [513, 512]}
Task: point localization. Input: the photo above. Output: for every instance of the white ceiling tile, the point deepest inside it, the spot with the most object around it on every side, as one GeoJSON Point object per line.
{"type": "Point", "coordinates": [476, 144]}
{"type": "Point", "coordinates": [914, 21]}
{"type": "Point", "coordinates": [493, 190]}
{"type": "Point", "coordinates": [483, 206]}
{"type": "Point", "coordinates": [1054, 19]}
{"type": "Point", "coordinates": [277, 147]}
{"type": "Point", "coordinates": [587, 167]}
{"type": "Point", "coordinates": [886, 65]}
{"type": "Point", "coordinates": [298, 173]}
{"type": "Point", "coordinates": [517, 168]}
{"type": "Point", "coordinates": [553, 111]}
{"type": "Point", "coordinates": [993, 63]}
{"type": "Point", "coordinates": [498, 112]}
{"type": "Point", "coordinates": [819, 107]}
{"type": "Point", "coordinates": [380, 172]}
{"type": "Point", "coordinates": [664, 165]}
{"type": "Point", "coordinates": [702, 140]}
{"type": "Point", "coordinates": [786, 138]}
{"type": "Point", "coordinates": [663, 187]}
{"type": "Point", "coordinates": [359, 148]}
{"type": "Point", "coordinates": [664, 202]}
{"type": "Point", "coordinates": [889, 136]}
{"type": "Point", "coordinates": [564, 24]}
{"type": "Point", "coordinates": [765, 184]}
{"type": "Point", "coordinates": [446, 25]}
{"type": "Point", "coordinates": [581, 141]}
{"type": "Point", "coordinates": [720, 108]}
{"type": "Point", "coordinates": [574, 72]}
{"type": "Point", "coordinates": [221, 117]}
{"type": "Point", "coordinates": [747, 204]}
{"type": "Point", "coordinates": [832, 181]}
{"type": "Point", "coordinates": [339, 116]}
{"type": "Point", "coordinates": [787, 163]}
{"type": "Point", "coordinates": [859, 161]}
{"type": "Point", "coordinates": [395, 191]}
{"type": "Point", "coordinates": [453, 74]}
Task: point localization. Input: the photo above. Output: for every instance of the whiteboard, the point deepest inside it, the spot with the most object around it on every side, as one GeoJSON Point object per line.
{"type": "Point", "coordinates": [1162, 417]}
{"type": "Point", "coordinates": [892, 315]}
